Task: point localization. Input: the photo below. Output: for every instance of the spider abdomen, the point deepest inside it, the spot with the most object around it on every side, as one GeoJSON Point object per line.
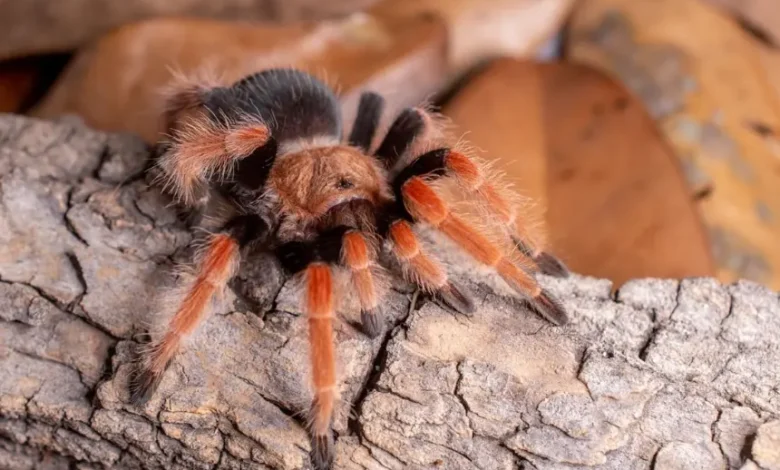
{"type": "Point", "coordinates": [293, 104]}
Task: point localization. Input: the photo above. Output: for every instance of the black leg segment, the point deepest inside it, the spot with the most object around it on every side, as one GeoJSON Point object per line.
{"type": "Point", "coordinates": [431, 163]}
{"type": "Point", "coordinates": [368, 115]}
{"type": "Point", "coordinates": [406, 127]}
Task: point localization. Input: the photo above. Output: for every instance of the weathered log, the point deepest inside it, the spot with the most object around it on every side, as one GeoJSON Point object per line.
{"type": "Point", "coordinates": [661, 374]}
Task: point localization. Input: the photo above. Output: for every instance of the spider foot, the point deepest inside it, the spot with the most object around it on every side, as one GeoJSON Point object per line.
{"type": "Point", "coordinates": [322, 450]}
{"type": "Point", "coordinates": [453, 297]}
{"type": "Point", "coordinates": [549, 307]}
{"type": "Point", "coordinates": [143, 383]}
{"type": "Point", "coordinates": [370, 322]}
{"type": "Point", "coordinates": [550, 265]}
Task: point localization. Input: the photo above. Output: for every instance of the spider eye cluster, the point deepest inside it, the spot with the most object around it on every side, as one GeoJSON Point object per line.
{"type": "Point", "coordinates": [345, 183]}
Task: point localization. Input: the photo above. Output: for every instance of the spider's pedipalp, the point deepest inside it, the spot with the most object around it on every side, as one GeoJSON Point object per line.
{"type": "Point", "coordinates": [215, 266]}
{"type": "Point", "coordinates": [348, 247]}
{"type": "Point", "coordinates": [422, 202]}
{"type": "Point", "coordinates": [368, 115]}
{"type": "Point", "coordinates": [423, 270]}
{"type": "Point", "coordinates": [322, 451]}
{"type": "Point", "coordinates": [352, 249]}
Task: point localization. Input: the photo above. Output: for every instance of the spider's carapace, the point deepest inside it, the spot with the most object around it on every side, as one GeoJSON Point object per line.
{"type": "Point", "coordinates": [265, 162]}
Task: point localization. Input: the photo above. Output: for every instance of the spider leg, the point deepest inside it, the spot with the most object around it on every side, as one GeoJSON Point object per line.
{"type": "Point", "coordinates": [359, 255]}
{"type": "Point", "coordinates": [424, 270]}
{"type": "Point", "coordinates": [354, 250]}
{"type": "Point", "coordinates": [368, 114]}
{"type": "Point", "coordinates": [424, 204]}
{"type": "Point", "coordinates": [408, 126]}
{"type": "Point", "coordinates": [444, 161]}
{"type": "Point", "coordinates": [215, 266]}
{"type": "Point", "coordinates": [471, 176]}
{"type": "Point", "coordinates": [319, 306]}
{"type": "Point", "coordinates": [182, 98]}
{"type": "Point", "coordinates": [203, 147]}
{"type": "Point", "coordinates": [314, 261]}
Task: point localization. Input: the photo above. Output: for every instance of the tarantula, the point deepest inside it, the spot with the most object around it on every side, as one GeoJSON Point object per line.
{"type": "Point", "coordinates": [265, 162]}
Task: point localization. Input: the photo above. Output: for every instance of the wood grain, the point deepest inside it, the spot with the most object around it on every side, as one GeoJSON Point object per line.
{"type": "Point", "coordinates": [617, 204]}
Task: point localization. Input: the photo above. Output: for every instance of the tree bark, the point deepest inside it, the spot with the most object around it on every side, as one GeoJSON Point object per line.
{"type": "Point", "coordinates": [662, 374]}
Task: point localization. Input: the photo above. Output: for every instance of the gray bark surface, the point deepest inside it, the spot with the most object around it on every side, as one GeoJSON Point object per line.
{"type": "Point", "coordinates": [662, 374]}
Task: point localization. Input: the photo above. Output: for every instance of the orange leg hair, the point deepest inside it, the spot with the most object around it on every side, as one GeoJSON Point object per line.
{"type": "Point", "coordinates": [358, 255]}
{"type": "Point", "coordinates": [319, 307]}
{"type": "Point", "coordinates": [203, 148]}
{"type": "Point", "coordinates": [182, 100]}
{"type": "Point", "coordinates": [425, 205]}
{"type": "Point", "coordinates": [214, 270]}
{"type": "Point", "coordinates": [423, 270]}
{"type": "Point", "coordinates": [472, 178]}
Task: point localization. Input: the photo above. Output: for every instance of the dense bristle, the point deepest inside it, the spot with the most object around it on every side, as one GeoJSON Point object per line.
{"type": "Point", "coordinates": [454, 297]}
{"type": "Point", "coordinates": [370, 322]}
{"type": "Point", "coordinates": [293, 103]}
{"type": "Point", "coordinates": [143, 383]}
{"type": "Point", "coordinates": [549, 307]}
{"type": "Point", "coordinates": [322, 451]}
{"type": "Point", "coordinates": [550, 265]}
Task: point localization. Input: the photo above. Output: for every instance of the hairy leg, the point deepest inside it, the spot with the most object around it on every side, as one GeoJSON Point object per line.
{"type": "Point", "coordinates": [367, 119]}
{"type": "Point", "coordinates": [424, 205]}
{"type": "Point", "coordinates": [214, 270]}
{"type": "Point", "coordinates": [347, 247]}
{"type": "Point", "coordinates": [445, 162]}
{"type": "Point", "coordinates": [359, 256]}
{"type": "Point", "coordinates": [215, 266]}
{"type": "Point", "coordinates": [319, 306]}
{"type": "Point", "coordinates": [408, 126]}
{"type": "Point", "coordinates": [424, 270]}
{"type": "Point", "coordinates": [204, 149]}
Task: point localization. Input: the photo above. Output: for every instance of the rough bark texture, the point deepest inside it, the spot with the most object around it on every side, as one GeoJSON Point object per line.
{"type": "Point", "coordinates": [663, 374]}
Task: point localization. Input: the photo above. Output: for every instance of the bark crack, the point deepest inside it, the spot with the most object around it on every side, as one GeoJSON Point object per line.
{"type": "Point", "coordinates": [394, 429]}
{"type": "Point", "coordinates": [377, 368]}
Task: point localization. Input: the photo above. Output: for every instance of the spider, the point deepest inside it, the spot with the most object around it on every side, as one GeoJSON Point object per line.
{"type": "Point", "coordinates": [265, 162]}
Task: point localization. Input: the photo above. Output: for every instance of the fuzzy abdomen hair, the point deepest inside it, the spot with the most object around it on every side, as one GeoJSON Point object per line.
{"type": "Point", "coordinates": [293, 104]}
